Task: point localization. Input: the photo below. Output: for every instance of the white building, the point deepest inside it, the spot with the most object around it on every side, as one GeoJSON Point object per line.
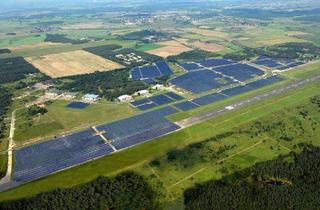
{"type": "Point", "coordinates": [70, 95]}
{"type": "Point", "coordinates": [90, 97]}
{"type": "Point", "coordinates": [142, 93]}
{"type": "Point", "coordinates": [157, 87]}
{"type": "Point", "coordinates": [124, 98]}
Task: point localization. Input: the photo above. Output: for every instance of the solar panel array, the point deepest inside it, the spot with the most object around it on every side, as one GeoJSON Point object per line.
{"type": "Point", "coordinates": [280, 64]}
{"type": "Point", "coordinates": [209, 63]}
{"type": "Point", "coordinates": [201, 81]}
{"type": "Point", "coordinates": [214, 97]}
{"type": "Point", "coordinates": [154, 101]}
{"type": "Point", "coordinates": [241, 72]}
{"type": "Point", "coordinates": [41, 159]}
{"type": "Point", "coordinates": [139, 128]}
{"type": "Point", "coordinates": [160, 68]}
{"type": "Point", "coordinates": [187, 105]}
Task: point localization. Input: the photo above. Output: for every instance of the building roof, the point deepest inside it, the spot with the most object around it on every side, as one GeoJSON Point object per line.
{"type": "Point", "coordinates": [90, 96]}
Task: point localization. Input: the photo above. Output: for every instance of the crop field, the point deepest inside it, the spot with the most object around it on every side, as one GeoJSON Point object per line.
{"type": "Point", "coordinates": [170, 48]}
{"type": "Point", "coordinates": [72, 63]}
{"type": "Point", "coordinates": [210, 47]}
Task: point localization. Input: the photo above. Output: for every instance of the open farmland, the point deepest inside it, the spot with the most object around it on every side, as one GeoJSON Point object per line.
{"type": "Point", "coordinates": [72, 63]}
{"type": "Point", "coordinates": [210, 47]}
{"type": "Point", "coordinates": [170, 48]}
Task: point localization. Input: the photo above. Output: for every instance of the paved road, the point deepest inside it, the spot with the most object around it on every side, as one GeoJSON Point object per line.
{"type": "Point", "coordinates": [7, 177]}
{"type": "Point", "coordinates": [208, 115]}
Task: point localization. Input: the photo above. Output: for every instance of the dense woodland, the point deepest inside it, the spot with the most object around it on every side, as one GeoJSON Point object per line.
{"type": "Point", "coordinates": [4, 51]}
{"type": "Point", "coordinates": [5, 99]}
{"type": "Point", "coordinates": [191, 56]}
{"type": "Point", "coordinates": [299, 51]}
{"type": "Point", "coordinates": [291, 182]}
{"type": "Point", "coordinates": [124, 192]}
{"type": "Point", "coordinates": [110, 52]}
{"type": "Point", "coordinates": [14, 69]}
{"type": "Point", "coordinates": [109, 84]}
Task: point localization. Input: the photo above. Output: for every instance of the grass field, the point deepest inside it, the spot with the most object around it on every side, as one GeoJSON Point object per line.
{"type": "Point", "coordinates": [147, 47]}
{"type": "Point", "coordinates": [61, 119]}
{"type": "Point", "coordinates": [245, 154]}
{"type": "Point", "coordinates": [72, 63]}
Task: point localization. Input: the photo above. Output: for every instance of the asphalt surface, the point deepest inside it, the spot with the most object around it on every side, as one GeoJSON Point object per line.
{"type": "Point", "coordinates": [217, 112]}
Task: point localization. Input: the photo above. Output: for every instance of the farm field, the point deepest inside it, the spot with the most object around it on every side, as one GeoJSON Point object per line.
{"type": "Point", "coordinates": [61, 119]}
{"type": "Point", "coordinates": [170, 48]}
{"type": "Point", "coordinates": [131, 159]}
{"type": "Point", "coordinates": [210, 47]}
{"type": "Point", "coordinates": [72, 63]}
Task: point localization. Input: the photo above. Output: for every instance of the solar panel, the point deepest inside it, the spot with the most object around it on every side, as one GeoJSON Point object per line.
{"type": "Point", "coordinates": [190, 66]}
{"type": "Point", "coordinates": [268, 63]}
{"type": "Point", "coordinates": [239, 71]}
{"type": "Point", "coordinates": [135, 74]}
{"type": "Point", "coordinates": [265, 82]}
{"type": "Point", "coordinates": [214, 62]}
{"type": "Point", "coordinates": [201, 81]}
{"type": "Point", "coordinates": [161, 99]}
{"type": "Point", "coordinates": [185, 106]}
{"type": "Point", "coordinates": [140, 102]}
{"type": "Point", "coordinates": [150, 72]}
{"type": "Point", "coordinates": [164, 68]}
{"type": "Point", "coordinates": [236, 90]}
{"type": "Point", "coordinates": [174, 96]}
{"type": "Point", "coordinates": [208, 99]}
{"type": "Point", "coordinates": [147, 106]}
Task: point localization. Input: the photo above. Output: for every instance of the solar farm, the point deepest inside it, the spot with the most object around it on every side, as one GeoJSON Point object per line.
{"type": "Point", "coordinates": [277, 64]}
{"type": "Point", "coordinates": [145, 73]}
{"type": "Point", "coordinates": [154, 101]}
{"type": "Point", "coordinates": [42, 159]}
{"type": "Point", "coordinates": [211, 74]}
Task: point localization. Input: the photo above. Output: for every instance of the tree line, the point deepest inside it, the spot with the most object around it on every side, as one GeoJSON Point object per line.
{"type": "Point", "coordinates": [5, 100]}
{"type": "Point", "coordinates": [123, 192]}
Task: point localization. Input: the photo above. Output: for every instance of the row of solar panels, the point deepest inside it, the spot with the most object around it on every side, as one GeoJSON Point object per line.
{"type": "Point", "coordinates": [160, 68]}
{"type": "Point", "coordinates": [277, 64]}
{"type": "Point", "coordinates": [214, 97]}
{"type": "Point", "coordinates": [154, 101]}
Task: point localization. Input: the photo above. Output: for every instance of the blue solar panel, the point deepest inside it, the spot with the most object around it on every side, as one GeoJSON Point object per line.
{"type": "Point", "coordinates": [140, 102]}
{"type": "Point", "coordinates": [77, 105]}
{"type": "Point", "coordinates": [150, 72]}
{"type": "Point", "coordinates": [214, 62]}
{"type": "Point", "coordinates": [190, 66]}
{"type": "Point", "coordinates": [240, 72]}
{"type": "Point", "coordinates": [208, 99]}
{"type": "Point", "coordinates": [268, 63]}
{"type": "Point", "coordinates": [150, 121]}
{"type": "Point", "coordinates": [161, 99]}
{"type": "Point", "coordinates": [200, 81]}
{"type": "Point", "coordinates": [174, 96]}
{"type": "Point", "coordinates": [185, 106]}
{"type": "Point", "coordinates": [135, 74]}
{"type": "Point", "coordinates": [265, 82]}
{"type": "Point", "coordinates": [41, 159]}
{"type": "Point", "coordinates": [262, 57]}
{"type": "Point", "coordinates": [147, 106]}
{"type": "Point", "coordinates": [236, 90]}
{"type": "Point", "coordinates": [164, 68]}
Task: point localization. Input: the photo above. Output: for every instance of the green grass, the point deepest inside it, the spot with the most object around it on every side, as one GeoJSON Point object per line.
{"type": "Point", "coordinates": [21, 40]}
{"type": "Point", "coordinates": [61, 119]}
{"type": "Point", "coordinates": [147, 47]}
{"type": "Point", "coordinates": [133, 158]}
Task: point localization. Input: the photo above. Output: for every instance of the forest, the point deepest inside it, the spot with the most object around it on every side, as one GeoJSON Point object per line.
{"type": "Point", "coordinates": [191, 56]}
{"type": "Point", "coordinates": [111, 84]}
{"type": "Point", "coordinates": [14, 69]}
{"type": "Point", "coordinates": [5, 99]}
{"type": "Point", "coordinates": [123, 192]}
{"type": "Point", "coordinates": [289, 182]}
{"type": "Point", "coordinates": [5, 51]}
